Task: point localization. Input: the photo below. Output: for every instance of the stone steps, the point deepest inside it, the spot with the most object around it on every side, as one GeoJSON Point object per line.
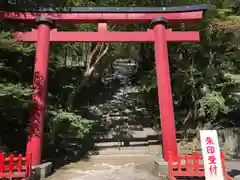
{"type": "Point", "coordinates": [116, 144]}
{"type": "Point", "coordinates": [121, 151]}
{"type": "Point", "coordinates": [112, 138]}
{"type": "Point", "coordinates": [130, 150]}
{"type": "Point", "coordinates": [131, 144]}
{"type": "Point", "coordinates": [144, 142]}
{"type": "Point", "coordinates": [123, 119]}
{"type": "Point", "coordinates": [133, 136]}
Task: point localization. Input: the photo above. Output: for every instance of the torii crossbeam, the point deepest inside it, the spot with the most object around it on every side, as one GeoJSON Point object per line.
{"type": "Point", "coordinates": [105, 36]}
{"type": "Point", "coordinates": [158, 33]}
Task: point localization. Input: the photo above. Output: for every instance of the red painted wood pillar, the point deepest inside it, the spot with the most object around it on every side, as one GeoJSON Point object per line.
{"type": "Point", "coordinates": [34, 143]}
{"type": "Point", "coordinates": [164, 87]}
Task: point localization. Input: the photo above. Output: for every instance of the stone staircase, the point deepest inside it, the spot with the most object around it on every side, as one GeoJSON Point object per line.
{"type": "Point", "coordinates": [126, 123]}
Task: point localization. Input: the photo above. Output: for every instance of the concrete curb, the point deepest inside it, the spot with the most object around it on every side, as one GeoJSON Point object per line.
{"type": "Point", "coordinates": [41, 171]}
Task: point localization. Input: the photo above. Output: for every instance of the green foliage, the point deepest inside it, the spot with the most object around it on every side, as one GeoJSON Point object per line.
{"type": "Point", "coordinates": [7, 43]}
{"type": "Point", "coordinates": [204, 76]}
{"type": "Point", "coordinates": [68, 123]}
{"type": "Point", "coordinates": [16, 91]}
{"type": "Point", "coordinates": [211, 105]}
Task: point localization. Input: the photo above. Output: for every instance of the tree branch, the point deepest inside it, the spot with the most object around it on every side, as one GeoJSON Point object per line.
{"type": "Point", "coordinates": [88, 72]}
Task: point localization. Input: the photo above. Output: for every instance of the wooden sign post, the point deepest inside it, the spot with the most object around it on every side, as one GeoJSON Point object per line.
{"type": "Point", "coordinates": [211, 155]}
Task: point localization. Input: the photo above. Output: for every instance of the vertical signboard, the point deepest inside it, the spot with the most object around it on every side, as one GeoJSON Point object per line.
{"type": "Point", "coordinates": [211, 155]}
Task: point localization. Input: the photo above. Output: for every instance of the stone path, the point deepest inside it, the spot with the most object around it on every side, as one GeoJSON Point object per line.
{"type": "Point", "coordinates": [120, 168]}
{"type": "Point", "coordinates": [233, 168]}
{"type": "Point", "coordinates": [141, 168]}
{"type": "Point", "coordinates": [107, 172]}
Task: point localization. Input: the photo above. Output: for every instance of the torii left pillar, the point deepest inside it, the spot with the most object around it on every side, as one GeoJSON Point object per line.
{"type": "Point", "coordinates": [34, 143]}
{"type": "Point", "coordinates": [158, 26]}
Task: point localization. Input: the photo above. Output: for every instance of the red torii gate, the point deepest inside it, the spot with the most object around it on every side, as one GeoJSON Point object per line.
{"type": "Point", "coordinates": [158, 33]}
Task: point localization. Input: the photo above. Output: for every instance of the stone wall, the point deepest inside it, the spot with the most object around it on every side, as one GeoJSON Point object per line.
{"type": "Point", "coordinates": [231, 142]}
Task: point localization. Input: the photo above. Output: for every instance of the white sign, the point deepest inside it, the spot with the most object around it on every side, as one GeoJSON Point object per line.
{"type": "Point", "coordinates": [211, 155]}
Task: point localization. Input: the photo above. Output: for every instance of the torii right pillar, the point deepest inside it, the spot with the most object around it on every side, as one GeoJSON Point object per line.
{"type": "Point", "coordinates": [164, 87]}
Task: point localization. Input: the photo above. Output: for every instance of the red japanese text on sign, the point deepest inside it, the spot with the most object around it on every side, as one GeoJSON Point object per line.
{"type": "Point", "coordinates": [212, 159]}
{"type": "Point", "coordinates": [213, 169]}
{"type": "Point", "coordinates": [210, 149]}
{"type": "Point", "coordinates": [209, 141]}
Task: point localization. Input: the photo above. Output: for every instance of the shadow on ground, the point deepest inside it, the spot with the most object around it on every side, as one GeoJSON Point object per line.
{"type": "Point", "coordinates": [234, 172]}
{"type": "Point", "coordinates": [68, 151]}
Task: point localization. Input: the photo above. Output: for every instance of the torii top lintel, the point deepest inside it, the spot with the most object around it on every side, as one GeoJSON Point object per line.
{"type": "Point", "coordinates": [117, 15]}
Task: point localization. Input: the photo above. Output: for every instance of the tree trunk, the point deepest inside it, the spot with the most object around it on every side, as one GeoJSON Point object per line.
{"type": "Point", "coordinates": [92, 63]}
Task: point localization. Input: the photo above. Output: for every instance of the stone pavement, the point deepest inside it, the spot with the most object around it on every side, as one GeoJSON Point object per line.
{"type": "Point", "coordinates": [138, 167]}
{"type": "Point", "coordinates": [233, 168]}
{"type": "Point", "coordinates": [121, 168]}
